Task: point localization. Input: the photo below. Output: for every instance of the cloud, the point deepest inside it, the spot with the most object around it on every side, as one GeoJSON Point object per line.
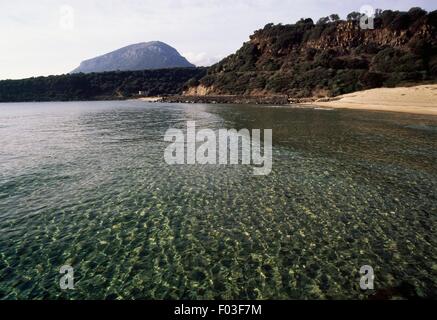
{"type": "Point", "coordinates": [202, 59]}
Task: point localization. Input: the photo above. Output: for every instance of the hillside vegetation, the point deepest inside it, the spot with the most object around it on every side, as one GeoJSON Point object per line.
{"type": "Point", "coordinates": [99, 86]}
{"type": "Point", "coordinates": [329, 58]}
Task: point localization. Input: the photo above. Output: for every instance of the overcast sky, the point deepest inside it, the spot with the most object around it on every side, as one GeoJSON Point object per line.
{"type": "Point", "coordinates": [52, 37]}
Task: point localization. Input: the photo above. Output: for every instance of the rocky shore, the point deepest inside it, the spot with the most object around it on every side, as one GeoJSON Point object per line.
{"type": "Point", "coordinates": [234, 99]}
{"type": "Point", "coordinates": [415, 100]}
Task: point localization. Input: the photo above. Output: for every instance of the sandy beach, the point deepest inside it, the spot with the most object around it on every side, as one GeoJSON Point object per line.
{"type": "Point", "coordinates": [418, 100]}
{"type": "Point", "coordinates": [150, 99]}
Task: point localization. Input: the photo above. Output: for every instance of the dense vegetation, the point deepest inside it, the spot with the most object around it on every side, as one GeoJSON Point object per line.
{"type": "Point", "coordinates": [98, 86]}
{"type": "Point", "coordinates": [330, 57]}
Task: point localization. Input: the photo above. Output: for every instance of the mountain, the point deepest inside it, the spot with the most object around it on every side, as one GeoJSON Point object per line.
{"type": "Point", "coordinates": [141, 56]}
{"type": "Point", "coordinates": [329, 58]}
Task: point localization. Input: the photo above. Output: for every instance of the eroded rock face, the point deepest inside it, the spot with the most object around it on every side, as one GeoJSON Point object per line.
{"type": "Point", "coordinates": [141, 56]}
{"type": "Point", "coordinates": [200, 90]}
{"type": "Point", "coordinates": [305, 59]}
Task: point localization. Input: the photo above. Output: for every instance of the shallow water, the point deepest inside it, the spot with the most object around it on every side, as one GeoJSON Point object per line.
{"type": "Point", "coordinates": [85, 184]}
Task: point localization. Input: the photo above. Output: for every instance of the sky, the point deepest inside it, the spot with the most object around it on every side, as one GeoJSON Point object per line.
{"type": "Point", "coordinates": [47, 37]}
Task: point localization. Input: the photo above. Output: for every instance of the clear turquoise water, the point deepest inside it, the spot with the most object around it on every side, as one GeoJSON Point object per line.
{"type": "Point", "coordinates": [85, 184]}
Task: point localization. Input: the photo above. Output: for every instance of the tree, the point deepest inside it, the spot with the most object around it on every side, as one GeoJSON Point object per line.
{"type": "Point", "coordinates": [334, 17]}
{"type": "Point", "coordinates": [416, 13]}
{"type": "Point", "coordinates": [304, 21]}
{"type": "Point", "coordinates": [354, 16]}
{"type": "Point", "coordinates": [378, 13]}
{"type": "Point", "coordinates": [323, 20]}
{"type": "Point", "coordinates": [193, 82]}
{"type": "Point", "coordinates": [432, 18]}
{"type": "Point", "coordinates": [387, 17]}
{"type": "Point", "coordinates": [401, 21]}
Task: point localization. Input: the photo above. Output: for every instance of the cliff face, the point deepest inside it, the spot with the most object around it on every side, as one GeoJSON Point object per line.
{"type": "Point", "coordinates": [328, 59]}
{"type": "Point", "coordinates": [199, 90]}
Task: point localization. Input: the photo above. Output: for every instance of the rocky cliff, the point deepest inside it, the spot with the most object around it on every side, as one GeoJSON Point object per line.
{"type": "Point", "coordinates": [321, 59]}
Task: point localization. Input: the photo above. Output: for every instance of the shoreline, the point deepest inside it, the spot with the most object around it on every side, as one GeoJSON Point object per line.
{"type": "Point", "coordinates": [414, 100]}
{"type": "Point", "coordinates": [228, 99]}
{"type": "Point", "coordinates": [420, 100]}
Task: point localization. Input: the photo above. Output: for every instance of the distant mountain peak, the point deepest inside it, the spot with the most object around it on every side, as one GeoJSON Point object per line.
{"type": "Point", "coordinates": [140, 56]}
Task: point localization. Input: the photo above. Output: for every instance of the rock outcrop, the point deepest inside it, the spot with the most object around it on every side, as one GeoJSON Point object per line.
{"type": "Point", "coordinates": [328, 59]}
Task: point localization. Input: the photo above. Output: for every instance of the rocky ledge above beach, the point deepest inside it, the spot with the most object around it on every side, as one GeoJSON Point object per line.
{"type": "Point", "coordinates": [237, 99]}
